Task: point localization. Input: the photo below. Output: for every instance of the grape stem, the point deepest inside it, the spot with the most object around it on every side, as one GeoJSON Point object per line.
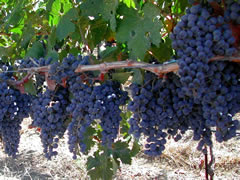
{"type": "Point", "coordinates": [206, 163]}
{"type": "Point", "coordinates": [158, 69]}
{"type": "Point", "coordinates": [212, 160]}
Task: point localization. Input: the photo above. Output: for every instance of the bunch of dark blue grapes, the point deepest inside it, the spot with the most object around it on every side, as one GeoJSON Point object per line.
{"type": "Point", "coordinates": [14, 107]}
{"type": "Point", "coordinates": [221, 100]}
{"type": "Point", "coordinates": [90, 103]}
{"type": "Point", "coordinates": [232, 12]}
{"type": "Point", "coordinates": [209, 89]}
{"type": "Point", "coordinates": [81, 109]}
{"type": "Point", "coordinates": [189, 114]}
{"type": "Point", "coordinates": [108, 98]}
{"type": "Point", "coordinates": [49, 114]}
{"type": "Point", "coordinates": [197, 37]}
{"type": "Point", "coordinates": [155, 113]}
{"type": "Point", "coordinates": [66, 69]}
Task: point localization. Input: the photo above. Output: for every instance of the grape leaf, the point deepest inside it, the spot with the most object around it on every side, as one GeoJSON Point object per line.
{"type": "Point", "coordinates": [124, 123]}
{"type": "Point", "coordinates": [104, 8]}
{"type": "Point", "coordinates": [88, 138]}
{"type": "Point", "coordinates": [121, 77]}
{"type": "Point", "coordinates": [15, 16]}
{"type": "Point", "coordinates": [100, 166]}
{"type": "Point", "coordinates": [135, 149]}
{"type": "Point", "coordinates": [121, 151]}
{"type": "Point", "coordinates": [65, 26]}
{"type": "Point", "coordinates": [180, 6]}
{"type": "Point", "coordinates": [27, 35]}
{"type": "Point", "coordinates": [36, 51]}
{"type": "Point", "coordinates": [116, 165]}
{"type": "Point", "coordinates": [30, 88]}
{"type": "Point", "coordinates": [137, 77]}
{"type": "Point", "coordinates": [139, 39]}
{"type": "Point", "coordinates": [129, 3]}
{"type": "Point", "coordinates": [54, 15]}
{"type": "Point", "coordinates": [52, 54]}
{"type": "Point", "coordinates": [164, 52]}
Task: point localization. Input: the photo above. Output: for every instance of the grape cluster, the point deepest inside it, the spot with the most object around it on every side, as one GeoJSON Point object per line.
{"type": "Point", "coordinates": [157, 112]}
{"type": "Point", "coordinates": [160, 107]}
{"type": "Point", "coordinates": [221, 101]}
{"type": "Point", "coordinates": [90, 103]}
{"type": "Point", "coordinates": [109, 97]}
{"type": "Point", "coordinates": [197, 38]}
{"type": "Point", "coordinates": [49, 114]}
{"type": "Point", "coordinates": [14, 108]}
{"type": "Point", "coordinates": [80, 106]}
{"type": "Point", "coordinates": [209, 87]}
{"type": "Point", "coordinates": [65, 69]}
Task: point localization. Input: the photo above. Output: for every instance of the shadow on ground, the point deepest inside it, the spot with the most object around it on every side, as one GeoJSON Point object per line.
{"type": "Point", "coordinates": [22, 168]}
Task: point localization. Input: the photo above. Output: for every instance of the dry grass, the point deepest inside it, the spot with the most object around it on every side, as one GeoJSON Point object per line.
{"type": "Point", "coordinates": [179, 161]}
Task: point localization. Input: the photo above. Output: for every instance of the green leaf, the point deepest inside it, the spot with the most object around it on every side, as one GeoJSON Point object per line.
{"type": "Point", "coordinates": [164, 52]}
{"type": "Point", "coordinates": [137, 77]}
{"type": "Point", "coordinates": [3, 51]}
{"type": "Point", "coordinates": [129, 3]}
{"type": "Point", "coordinates": [16, 15]}
{"type": "Point", "coordinates": [139, 39]}
{"type": "Point", "coordinates": [54, 15]}
{"type": "Point", "coordinates": [135, 149]}
{"type": "Point", "coordinates": [65, 26]}
{"type": "Point", "coordinates": [30, 88]}
{"type": "Point", "coordinates": [116, 165]}
{"type": "Point", "coordinates": [88, 138]}
{"type": "Point", "coordinates": [100, 166]}
{"type": "Point", "coordinates": [36, 51]}
{"type": "Point", "coordinates": [121, 150]}
{"type": "Point", "coordinates": [104, 8]}
{"type": "Point", "coordinates": [98, 31]}
{"type": "Point", "coordinates": [49, 5]}
{"type": "Point", "coordinates": [52, 39]}
{"type": "Point", "coordinates": [27, 35]}
{"type": "Point", "coordinates": [124, 123]}
{"type": "Point", "coordinates": [121, 77]}
{"type": "Point", "coordinates": [180, 6]}
{"type": "Point", "coordinates": [52, 54]}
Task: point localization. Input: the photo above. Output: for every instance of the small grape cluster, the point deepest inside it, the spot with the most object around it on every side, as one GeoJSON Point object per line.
{"type": "Point", "coordinates": [81, 109]}
{"type": "Point", "coordinates": [90, 103]}
{"type": "Point", "coordinates": [65, 69]}
{"type": "Point", "coordinates": [49, 114]}
{"type": "Point", "coordinates": [14, 107]}
{"type": "Point", "coordinates": [109, 97]}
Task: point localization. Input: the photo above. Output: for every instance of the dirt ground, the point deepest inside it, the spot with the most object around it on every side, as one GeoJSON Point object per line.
{"type": "Point", "coordinates": [179, 161]}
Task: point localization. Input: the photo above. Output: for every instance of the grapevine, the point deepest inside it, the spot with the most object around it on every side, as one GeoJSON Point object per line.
{"type": "Point", "coordinates": [105, 83]}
